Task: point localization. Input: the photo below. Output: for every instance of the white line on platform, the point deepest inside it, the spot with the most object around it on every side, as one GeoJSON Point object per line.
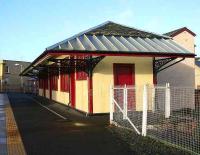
{"type": "Point", "coordinates": [49, 109]}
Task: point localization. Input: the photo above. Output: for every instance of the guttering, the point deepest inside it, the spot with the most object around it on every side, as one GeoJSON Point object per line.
{"type": "Point", "coordinates": [120, 53]}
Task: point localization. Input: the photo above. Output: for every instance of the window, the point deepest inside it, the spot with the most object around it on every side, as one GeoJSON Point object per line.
{"type": "Point", "coordinates": [81, 75]}
{"type": "Point", "coordinates": [7, 69]}
{"type": "Point", "coordinates": [41, 82]}
{"type": "Point", "coordinates": [54, 82]}
{"type": "Point", "coordinates": [46, 83]}
{"type": "Point", "coordinates": [64, 82]}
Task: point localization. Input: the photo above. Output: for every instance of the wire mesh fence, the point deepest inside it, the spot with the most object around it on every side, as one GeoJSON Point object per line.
{"type": "Point", "coordinates": [169, 114]}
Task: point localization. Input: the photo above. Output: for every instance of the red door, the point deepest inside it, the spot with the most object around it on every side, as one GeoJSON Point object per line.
{"type": "Point", "coordinates": [124, 74]}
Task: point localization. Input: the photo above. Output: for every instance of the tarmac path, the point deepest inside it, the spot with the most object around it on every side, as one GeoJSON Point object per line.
{"type": "Point", "coordinates": [44, 132]}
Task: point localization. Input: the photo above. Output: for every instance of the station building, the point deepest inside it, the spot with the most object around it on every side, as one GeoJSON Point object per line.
{"type": "Point", "coordinates": [79, 71]}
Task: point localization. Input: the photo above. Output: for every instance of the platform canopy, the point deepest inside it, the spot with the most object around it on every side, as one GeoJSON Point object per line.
{"type": "Point", "coordinates": [107, 39]}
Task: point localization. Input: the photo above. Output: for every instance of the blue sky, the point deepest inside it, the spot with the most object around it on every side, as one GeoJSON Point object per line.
{"type": "Point", "coordinates": [27, 27]}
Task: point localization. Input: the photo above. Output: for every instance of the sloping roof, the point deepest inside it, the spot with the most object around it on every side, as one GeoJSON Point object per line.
{"type": "Point", "coordinates": [178, 31]}
{"type": "Point", "coordinates": [112, 37]}
{"type": "Point", "coordinates": [121, 44]}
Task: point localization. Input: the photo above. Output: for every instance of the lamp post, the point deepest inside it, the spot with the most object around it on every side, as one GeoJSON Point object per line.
{"type": "Point", "coordinates": [21, 69]}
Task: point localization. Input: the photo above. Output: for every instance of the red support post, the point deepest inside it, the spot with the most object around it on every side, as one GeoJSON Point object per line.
{"type": "Point", "coordinates": [50, 87]}
{"type": "Point", "coordinates": [90, 93]}
{"type": "Point", "coordinates": [44, 87]}
{"type": "Point", "coordinates": [154, 73]}
{"type": "Point", "coordinates": [154, 78]}
{"type": "Point", "coordinates": [73, 87]}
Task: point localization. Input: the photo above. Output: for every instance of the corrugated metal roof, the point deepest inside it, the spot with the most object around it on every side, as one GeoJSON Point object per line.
{"type": "Point", "coordinates": [119, 39]}
{"type": "Point", "coordinates": [120, 43]}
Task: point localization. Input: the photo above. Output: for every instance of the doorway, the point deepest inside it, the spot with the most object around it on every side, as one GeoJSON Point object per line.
{"type": "Point", "coordinates": [124, 74]}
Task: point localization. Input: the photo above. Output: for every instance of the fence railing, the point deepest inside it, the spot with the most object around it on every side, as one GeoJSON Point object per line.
{"type": "Point", "coordinates": [169, 114]}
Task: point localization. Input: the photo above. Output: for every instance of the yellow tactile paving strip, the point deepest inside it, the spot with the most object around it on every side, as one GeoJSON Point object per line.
{"type": "Point", "coordinates": [14, 142]}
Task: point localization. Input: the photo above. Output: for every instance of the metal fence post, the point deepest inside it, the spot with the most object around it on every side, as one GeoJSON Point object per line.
{"type": "Point", "coordinates": [111, 104]}
{"type": "Point", "coordinates": [125, 102]}
{"type": "Point", "coordinates": [167, 101]}
{"type": "Point", "coordinates": [144, 113]}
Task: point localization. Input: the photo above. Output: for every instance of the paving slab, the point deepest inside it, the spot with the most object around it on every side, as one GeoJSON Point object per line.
{"type": "Point", "coordinates": [2, 112]}
{"type": "Point", "coordinates": [10, 139]}
{"type": "Point", "coordinates": [3, 140]}
{"type": "Point", "coordinates": [3, 134]}
{"type": "Point", "coordinates": [3, 149]}
{"type": "Point", "coordinates": [2, 118]}
{"type": "Point", "coordinates": [2, 123]}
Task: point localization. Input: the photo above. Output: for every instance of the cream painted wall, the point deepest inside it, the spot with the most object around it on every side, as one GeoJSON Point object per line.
{"type": "Point", "coordinates": [103, 78]}
{"type": "Point", "coordinates": [40, 92]}
{"type": "Point", "coordinates": [47, 93]}
{"type": "Point", "coordinates": [186, 40]}
{"type": "Point", "coordinates": [197, 77]}
{"type": "Point", "coordinates": [1, 75]}
{"type": "Point", "coordinates": [183, 73]}
{"type": "Point", "coordinates": [62, 97]}
{"type": "Point", "coordinates": [82, 95]}
{"type": "Point", "coordinates": [1, 68]}
{"type": "Point", "coordinates": [59, 96]}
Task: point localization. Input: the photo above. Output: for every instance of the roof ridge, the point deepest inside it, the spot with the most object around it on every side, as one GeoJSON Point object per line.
{"type": "Point", "coordinates": [179, 30]}
{"type": "Point", "coordinates": [161, 35]}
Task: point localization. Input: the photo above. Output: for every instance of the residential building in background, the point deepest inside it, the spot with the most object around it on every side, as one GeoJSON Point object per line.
{"type": "Point", "coordinates": [197, 72]}
{"type": "Point", "coordinates": [9, 76]}
{"type": "Point", "coordinates": [183, 73]}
